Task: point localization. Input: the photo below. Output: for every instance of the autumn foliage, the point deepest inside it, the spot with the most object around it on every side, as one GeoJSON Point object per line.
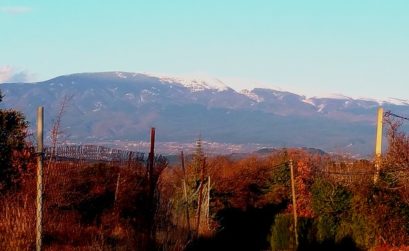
{"type": "Point", "coordinates": [212, 203]}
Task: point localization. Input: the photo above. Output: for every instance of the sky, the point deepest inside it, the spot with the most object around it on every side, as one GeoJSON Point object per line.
{"type": "Point", "coordinates": [358, 48]}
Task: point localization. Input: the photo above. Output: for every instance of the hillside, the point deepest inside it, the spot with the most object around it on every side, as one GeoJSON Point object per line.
{"type": "Point", "coordinates": [122, 106]}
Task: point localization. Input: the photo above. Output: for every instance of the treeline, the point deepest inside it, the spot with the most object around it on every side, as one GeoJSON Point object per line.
{"type": "Point", "coordinates": [339, 207]}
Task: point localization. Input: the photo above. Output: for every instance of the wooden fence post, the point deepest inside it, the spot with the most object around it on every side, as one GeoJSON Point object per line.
{"type": "Point", "coordinates": [378, 144]}
{"type": "Point", "coordinates": [40, 152]}
{"type": "Point", "coordinates": [185, 193]}
{"type": "Point", "coordinates": [294, 203]}
{"type": "Point", "coordinates": [199, 204]}
{"type": "Point", "coordinates": [151, 180]}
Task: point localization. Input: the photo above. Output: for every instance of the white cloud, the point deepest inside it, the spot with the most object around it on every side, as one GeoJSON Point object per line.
{"type": "Point", "coordinates": [9, 74]}
{"type": "Point", "coordinates": [15, 10]}
{"type": "Point", "coordinates": [5, 73]}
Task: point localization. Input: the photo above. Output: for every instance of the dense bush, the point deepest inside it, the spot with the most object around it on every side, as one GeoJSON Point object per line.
{"type": "Point", "coordinates": [282, 232]}
{"type": "Point", "coordinates": [13, 133]}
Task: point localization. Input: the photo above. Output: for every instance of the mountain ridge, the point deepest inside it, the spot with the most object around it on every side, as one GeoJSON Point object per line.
{"type": "Point", "coordinates": [122, 105]}
{"type": "Point", "coordinates": [203, 80]}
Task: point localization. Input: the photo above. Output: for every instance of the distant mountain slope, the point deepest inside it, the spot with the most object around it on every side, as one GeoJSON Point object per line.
{"type": "Point", "coordinates": [122, 106]}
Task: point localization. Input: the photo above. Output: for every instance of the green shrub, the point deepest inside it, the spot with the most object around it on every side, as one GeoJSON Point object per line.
{"type": "Point", "coordinates": [331, 203]}
{"type": "Point", "coordinates": [282, 232]}
{"type": "Point", "coordinates": [13, 132]}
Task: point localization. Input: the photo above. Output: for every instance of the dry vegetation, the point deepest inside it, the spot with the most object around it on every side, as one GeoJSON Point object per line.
{"type": "Point", "coordinates": [214, 203]}
{"type": "Point", "coordinates": [105, 206]}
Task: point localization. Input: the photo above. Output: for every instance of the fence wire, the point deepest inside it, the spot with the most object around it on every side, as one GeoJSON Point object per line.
{"type": "Point", "coordinates": [94, 193]}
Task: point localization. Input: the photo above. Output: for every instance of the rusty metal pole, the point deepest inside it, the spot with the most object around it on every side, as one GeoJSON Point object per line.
{"type": "Point", "coordinates": [40, 152]}
{"type": "Point", "coordinates": [378, 144]}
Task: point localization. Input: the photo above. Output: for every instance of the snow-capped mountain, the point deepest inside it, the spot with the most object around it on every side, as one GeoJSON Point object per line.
{"type": "Point", "coordinates": [196, 84]}
{"type": "Point", "coordinates": [123, 105]}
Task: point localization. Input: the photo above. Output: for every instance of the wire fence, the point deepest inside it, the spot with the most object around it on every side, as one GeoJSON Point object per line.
{"type": "Point", "coordinates": [347, 173]}
{"type": "Point", "coordinates": [90, 153]}
{"type": "Point", "coordinates": [94, 193]}
{"type": "Point", "coordinates": [98, 195]}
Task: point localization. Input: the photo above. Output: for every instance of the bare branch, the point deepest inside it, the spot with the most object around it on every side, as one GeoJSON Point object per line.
{"type": "Point", "coordinates": [56, 129]}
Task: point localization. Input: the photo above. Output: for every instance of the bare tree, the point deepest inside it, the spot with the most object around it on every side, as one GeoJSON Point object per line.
{"type": "Point", "coordinates": [56, 132]}
{"type": "Point", "coordinates": [396, 161]}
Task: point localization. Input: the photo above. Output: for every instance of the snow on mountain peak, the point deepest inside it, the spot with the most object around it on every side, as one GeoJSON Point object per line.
{"type": "Point", "coordinates": [333, 96]}
{"type": "Point", "coordinates": [195, 84]}
{"type": "Point", "coordinates": [198, 84]}
{"type": "Point", "coordinates": [120, 74]}
{"type": "Point", "coordinates": [251, 95]}
{"type": "Point", "coordinates": [396, 101]}
{"type": "Point", "coordinates": [309, 101]}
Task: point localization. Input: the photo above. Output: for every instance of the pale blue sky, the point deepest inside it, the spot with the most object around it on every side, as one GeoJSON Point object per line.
{"type": "Point", "coordinates": [354, 47]}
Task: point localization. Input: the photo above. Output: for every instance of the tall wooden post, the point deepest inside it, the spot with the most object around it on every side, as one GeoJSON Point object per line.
{"type": "Point", "coordinates": [151, 202]}
{"type": "Point", "coordinates": [117, 188]}
{"type": "Point", "coordinates": [208, 201]}
{"type": "Point", "coordinates": [185, 193]}
{"type": "Point", "coordinates": [200, 201]}
{"type": "Point", "coordinates": [378, 144]}
{"type": "Point", "coordinates": [151, 157]}
{"type": "Point", "coordinates": [40, 152]}
{"type": "Point", "coordinates": [294, 202]}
